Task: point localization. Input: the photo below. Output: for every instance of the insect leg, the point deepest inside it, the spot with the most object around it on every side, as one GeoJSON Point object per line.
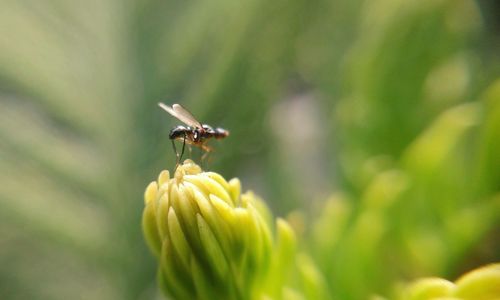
{"type": "Point", "coordinates": [190, 151]}
{"type": "Point", "coordinates": [183, 147]}
{"type": "Point", "coordinates": [177, 159]}
{"type": "Point", "coordinates": [207, 149]}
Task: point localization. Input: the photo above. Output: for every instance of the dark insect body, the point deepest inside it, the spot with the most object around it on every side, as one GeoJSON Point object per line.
{"type": "Point", "coordinates": [195, 133]}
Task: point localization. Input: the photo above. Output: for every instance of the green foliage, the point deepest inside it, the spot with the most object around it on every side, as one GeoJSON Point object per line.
{"type": "Point", "coordinates": [392, 107]}
{"type": "Point", "coordinates": [419, 217]}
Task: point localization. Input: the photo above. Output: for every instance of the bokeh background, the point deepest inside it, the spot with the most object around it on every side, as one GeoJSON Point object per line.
{"type": "Point", "coordinates": [373, 125]}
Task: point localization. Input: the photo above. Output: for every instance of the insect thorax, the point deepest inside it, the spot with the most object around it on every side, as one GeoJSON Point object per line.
{"type": "Point", "coordinates": [179, 132]}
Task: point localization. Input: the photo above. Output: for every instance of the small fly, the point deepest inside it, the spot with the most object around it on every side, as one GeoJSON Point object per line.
{"type": "Point", "coordinates": [195, 133]}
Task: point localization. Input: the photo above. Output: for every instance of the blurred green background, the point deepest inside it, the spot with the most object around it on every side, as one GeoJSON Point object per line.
{"type": "Point", "coordinates": [376, 123]}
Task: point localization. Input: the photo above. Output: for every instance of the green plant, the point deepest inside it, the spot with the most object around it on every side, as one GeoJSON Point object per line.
{"type": "Point", "coordinates": [386, 109]}
{"type": "Point", "coordinates": [211, 241]}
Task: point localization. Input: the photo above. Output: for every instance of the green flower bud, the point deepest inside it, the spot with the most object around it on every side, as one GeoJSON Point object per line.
{"type": "Point", "coordinates": [479, 284]}
{"type": "Point", "coordinates": [429, 288]}
{"type": "Point", "coordinates": [211, 241]}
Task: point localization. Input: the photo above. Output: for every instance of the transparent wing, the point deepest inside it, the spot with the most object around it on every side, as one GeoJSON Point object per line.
{"type": "Point", "coordinates": [182, 114]}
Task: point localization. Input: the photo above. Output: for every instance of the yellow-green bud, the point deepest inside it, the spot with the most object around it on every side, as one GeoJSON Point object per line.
{"type": "Point", "coordinates": [211, 241]}
{"type": "Point", "coordinates": [479, 284]}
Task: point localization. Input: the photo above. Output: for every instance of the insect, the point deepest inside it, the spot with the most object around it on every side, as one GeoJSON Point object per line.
{"type": "Point", "coordinates": [195, 133]}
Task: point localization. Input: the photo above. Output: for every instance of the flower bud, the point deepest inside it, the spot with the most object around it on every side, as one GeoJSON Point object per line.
{"type": "Point", "coordinates": [480, 284]}
{"type": "Point", "coordinates": [211, 241]}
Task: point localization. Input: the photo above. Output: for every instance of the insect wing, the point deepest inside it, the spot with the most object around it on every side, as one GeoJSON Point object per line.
{"type": "Point", "coordinates": [182, 114]}
{"type": "Point", "coordinates": [187, 117]}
